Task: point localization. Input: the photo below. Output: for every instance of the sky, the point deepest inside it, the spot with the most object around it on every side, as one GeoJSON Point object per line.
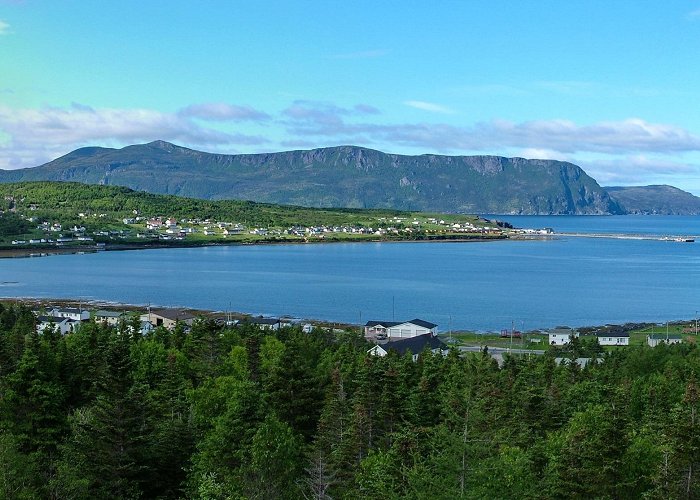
{"type": "Point", "coordinates": [612, 86]}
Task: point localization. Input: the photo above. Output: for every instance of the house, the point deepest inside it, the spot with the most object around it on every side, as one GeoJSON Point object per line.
{"type": "Point", "coordinates": [74, 313]}
{"type": "Point", "coordinates": [561, 336]}
{"type": "Point", "coordinates": [617, 338]}
{"type": "Point", "coordinates": [399, 329]}
{"type": "Point", "coordinates": [64, 325]}
{"type": "Point", "coordinates": [266, 323]}
{"type": "Point", "coordinates": [168, 317]}
{"type": "Point", "coordinates": [661, 338]}
{"type": "Point", "coordinates": [415, 345]}
{"type": "Point", "coordinates": [110, 317]}
{"type": "Point", "coordinates": [146, 327]}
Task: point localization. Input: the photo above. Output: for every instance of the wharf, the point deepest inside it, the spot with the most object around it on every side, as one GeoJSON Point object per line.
{"type": "Point", "coordinates": [625, 236]}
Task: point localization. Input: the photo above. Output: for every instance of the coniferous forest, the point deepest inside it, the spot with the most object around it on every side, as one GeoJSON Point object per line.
{"type": "Point", "coordinates": [227, 413]}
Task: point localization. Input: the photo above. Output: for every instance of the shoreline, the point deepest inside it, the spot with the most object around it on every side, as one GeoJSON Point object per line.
{"type": "Point", "coordinates": [39, 303]}
{"type": "Point", "coordinates": [29, 252]}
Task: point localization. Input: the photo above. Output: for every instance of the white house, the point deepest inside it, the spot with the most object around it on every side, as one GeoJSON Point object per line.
{"type": "Point", "coordinates": [399, 329]}
{"type": "Point", "coordinates": [661, 338]}
{"type": "Point", "coordinates": [613, 338]}
{"type": "Point", "coordinates": [64, 325]}
{"type": "Point", "coordinates": [561, 336]}
{"type": "Point", "coordinates": [378, 350]}
{"type": "Point", "coordinates": [73, 313]}
{"type": "Point", "coordinates": [266, 323]}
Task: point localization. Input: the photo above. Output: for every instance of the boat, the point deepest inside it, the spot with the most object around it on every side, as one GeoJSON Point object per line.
{"type": "Point", "coordinates": [678, 239]}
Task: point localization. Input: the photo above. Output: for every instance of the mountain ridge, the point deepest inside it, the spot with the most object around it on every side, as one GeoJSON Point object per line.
{"type": "Point", "coordinates": [655, 200]}
{"type": "Point", "coordinates": [339, 176]}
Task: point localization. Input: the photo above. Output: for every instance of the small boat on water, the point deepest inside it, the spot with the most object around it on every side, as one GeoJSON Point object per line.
{"type": "Point", "coordinates": [679, 239]}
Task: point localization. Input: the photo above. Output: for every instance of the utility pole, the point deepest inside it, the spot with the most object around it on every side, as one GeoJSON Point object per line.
{"type": "Point", "coordinates": [450, 328]}
{"type": "Point", "coordinates": [512, 331]}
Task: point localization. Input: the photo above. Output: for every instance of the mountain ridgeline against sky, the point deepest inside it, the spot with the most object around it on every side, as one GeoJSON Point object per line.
{"type": "Point", "coordinates": [344, 176]}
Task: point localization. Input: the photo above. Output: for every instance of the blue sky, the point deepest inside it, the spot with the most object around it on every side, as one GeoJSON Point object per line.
{"type": "Point", "coordinates": [612, 86]}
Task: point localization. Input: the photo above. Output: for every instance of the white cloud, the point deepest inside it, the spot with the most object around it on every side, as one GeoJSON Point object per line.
{"type": "Point", "coordinates": [636, 169]}
{"type": "Point", "coordinates": [542, 154]}
{"type": "Point", "coordinates": [219, 111]}
{"type": "Point", "coordinates": [695, 14]}
{"type": "Point", "coordinates": [568, 87]}
{"type": "Point", "coordinates": [429, 106]}
{"type": "Point", "coordinates": [634, 135]}
{"type": "Point", "coordinates": [4, 28]}
{"type": "Point", "coordinates": [39, 135]}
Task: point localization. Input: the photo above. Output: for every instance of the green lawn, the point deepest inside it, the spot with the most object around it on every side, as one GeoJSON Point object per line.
{"type": "Point", "coordinates": [495, 340]}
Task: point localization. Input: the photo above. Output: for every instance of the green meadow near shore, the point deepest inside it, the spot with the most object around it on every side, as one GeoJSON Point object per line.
{"type": "Point", "coordinates": [55, 214]}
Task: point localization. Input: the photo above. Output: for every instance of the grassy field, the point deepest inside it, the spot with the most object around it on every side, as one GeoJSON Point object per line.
{"type": "Point", "coordinates": [637, 337]}
{"type": "Point", "coordinates": [495, 340]}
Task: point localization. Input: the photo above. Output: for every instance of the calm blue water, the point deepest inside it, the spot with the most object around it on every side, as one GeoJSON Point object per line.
{"type": "Point", "coordinates": [485, 285]}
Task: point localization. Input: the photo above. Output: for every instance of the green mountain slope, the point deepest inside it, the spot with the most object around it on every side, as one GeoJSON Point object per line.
{"type": "Point", "coordinates": [658, 200]}
{"type": "Point", "coordinates": [344, 176]}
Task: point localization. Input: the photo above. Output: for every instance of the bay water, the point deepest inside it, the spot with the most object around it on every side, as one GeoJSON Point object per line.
{"type": "Point", "coordinates": [483, 286]}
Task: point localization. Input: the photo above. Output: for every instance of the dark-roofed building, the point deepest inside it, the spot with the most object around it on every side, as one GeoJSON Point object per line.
{"type": "Point", "coordinates": [414, 345]}
{"type": "Point", "coordinates": [399, 329]}
{"type": "Point", "coordinates": [616, 338]}
{"type": "Point", "coordinates": [265, 323]}
{"type": "Point", "coordinates": [168, 317]}
{"type": "Point", "coordinates": [63, 325]}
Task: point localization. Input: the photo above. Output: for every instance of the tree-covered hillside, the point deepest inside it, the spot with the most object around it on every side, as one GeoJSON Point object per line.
{"type": "Point", "coordinates": [222, 413]}
{"type": "Point", "coordinates": [40, 212]}
{"type": "Point", "coordinates": [70, 198]}
{"type": "Point", "coordinates": [655, 200]}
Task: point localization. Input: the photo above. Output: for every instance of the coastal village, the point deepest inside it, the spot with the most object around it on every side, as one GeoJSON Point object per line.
{"type": "Point", "coordinates": [162, 228]}
{"type": "Point", "coordinates": [403, 337]}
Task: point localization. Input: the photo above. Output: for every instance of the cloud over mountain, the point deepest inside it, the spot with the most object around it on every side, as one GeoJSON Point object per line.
{"type": "Point", "coordinates": [612, 149]}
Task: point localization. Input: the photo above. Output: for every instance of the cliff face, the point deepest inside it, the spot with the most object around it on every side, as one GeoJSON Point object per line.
{"type": "Point", "coordinates": [655, 200]}
{"type": "Point", "coordinates": [344, 176]}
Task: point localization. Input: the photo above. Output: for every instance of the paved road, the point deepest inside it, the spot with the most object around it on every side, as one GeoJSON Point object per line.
{"type": "Point", "coordinates": [499, 350]}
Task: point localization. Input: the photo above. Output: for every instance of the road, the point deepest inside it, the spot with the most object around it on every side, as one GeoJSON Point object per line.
{"type": "Point", "coordinates": [499, 350]}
